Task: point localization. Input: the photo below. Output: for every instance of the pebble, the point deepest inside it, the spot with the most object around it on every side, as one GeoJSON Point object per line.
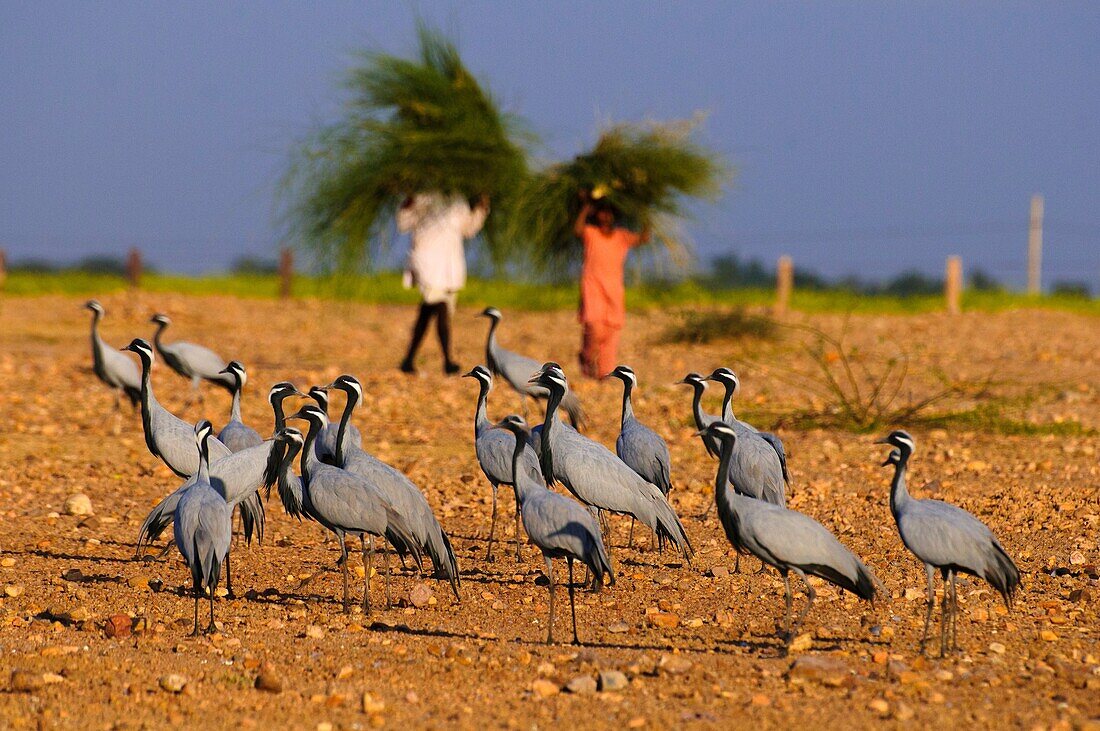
{"type": "Point", "coordinates": [119, 625]}
{"type": "Point", "coordinates": [268, 680]}
{"type": "Point", "coordinates": [314, 632]}
{"type": "Point", "coordinates": [618, 628]}
{"type": "Point", "coordinates": [903, 712]}
{"type": "Point", "coordinates": [997, 647]}
{"type": "Point", "coordinates": [420, 595]}
{"type": "Point", "coordinates": [663, 620]}
{"type": "Point", "coordinates": [12, 590]}
{"type": "Point", "coordinates": [544, 688]}
{"type": "Point", "coordinates": [25, 681]}
{"type": "Point", "coordinates": [674, 664]}
{"type": "Point", "coordinates": [879, 706]}
{"type": "Point", "coordinates": [372, 704]}
{"type": "Point", "coordinates": [7, 562]}
{"type": "Point", "coordinates": [636, 722]}
{"type": "Point", "coordinates": [172, 683]}
{"type": "Point", "coordinates": [828, 671]}
{"type": "Point", "coordinates": [582, 685]}
{"type": "Point", "coordinates": [612, 680]}
{"type": "Point", "coordinates": [801, 643]}
{"type": "Point", "coordinates": [78, 504]}
{"type": "Point", "coordinates": [761, 700]}
{"type": "Point", "coordinates": [1048, 636]}
{"type": "Point", "coordinates": [719, 572]}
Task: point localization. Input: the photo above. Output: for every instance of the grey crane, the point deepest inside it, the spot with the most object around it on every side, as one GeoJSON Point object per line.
{"type": "Point", "coordinates": [732, 384]}
{"type": "Point", "coordinates": [494, 448]}
{"type": "Point", "coordinates": [326, 440]}
{"type": "Point", "coordinates": [596, 476]}
{"type": "Point", "coordinates": [945, 537]}
{"type": "Point", "coordinates": [756, 469]}
{"type": "Point", "coordinates": [559, 526]}
{"type": "Point", "coordinates": [190, 360]}
{"type": "Point", "coordinates": [167, 436]}
{"type": "Point", "coordinates": [783, 538]}
{"type": "Point", "coordinates": [405, 498]}
{"type": "Point", "coordinates": [203, 528]}
{"type": "Point", "coordinates": [237, 476]}
{"type": "Point", "coordinates": [111, 366]}
{"type": "Point", "coordinates": [236, 434]}
{"type": "Point", "coordinates": [344, 503]}
{"type": "Point", "coordinates": [642, 449]}
{"type": "Point", "coordinates": [517, 371]}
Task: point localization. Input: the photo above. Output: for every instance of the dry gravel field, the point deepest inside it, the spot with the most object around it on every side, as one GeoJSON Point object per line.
{"type": "Point", "coordinates": [92, 638]}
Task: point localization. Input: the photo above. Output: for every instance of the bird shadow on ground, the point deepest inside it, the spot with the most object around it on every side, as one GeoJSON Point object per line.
{"type": "Point", "coordinates": [61, 556]}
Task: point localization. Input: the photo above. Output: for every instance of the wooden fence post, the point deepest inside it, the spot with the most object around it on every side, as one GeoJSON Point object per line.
{"type": "Point", "coordinates": [133, 268]}
{"type": "Point", "coordinates": [3, 268]}
{"type": "Point", "coordinates": [953, 285]}
{"type": "Point", "coordinates": [1035, 246]}
{"type": "Point", "coordinates": [784, 283]}
{"type": "Point", "coordinates": [286, 272]}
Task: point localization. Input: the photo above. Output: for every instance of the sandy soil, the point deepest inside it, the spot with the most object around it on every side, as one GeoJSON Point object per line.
{"type": "Point", "coordinates": [481, 663]}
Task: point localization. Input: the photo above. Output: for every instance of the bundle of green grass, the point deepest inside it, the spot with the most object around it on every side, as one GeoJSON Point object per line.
{"type": "Point", "coordinates": [410, 126]}
{"type": "Point", "coordinates": [645, 171]}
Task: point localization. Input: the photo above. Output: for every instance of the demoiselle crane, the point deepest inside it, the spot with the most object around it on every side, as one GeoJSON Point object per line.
{"type": "Point", "coordinates": [191, 360]}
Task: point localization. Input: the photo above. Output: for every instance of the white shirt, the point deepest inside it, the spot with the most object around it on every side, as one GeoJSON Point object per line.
{"type": "Point", "coordinates": [439, 227]}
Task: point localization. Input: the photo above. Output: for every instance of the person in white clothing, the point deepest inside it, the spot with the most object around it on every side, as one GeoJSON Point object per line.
{"type": "Point", "coordinates": [440, 226]}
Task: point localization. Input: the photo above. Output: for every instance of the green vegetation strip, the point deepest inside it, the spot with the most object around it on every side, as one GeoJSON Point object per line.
{"type": "Point", "coordinates": [385, 288]}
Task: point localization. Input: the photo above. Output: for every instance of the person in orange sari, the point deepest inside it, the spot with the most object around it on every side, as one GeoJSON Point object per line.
{"type": "Point", "coordinates": [603, 294]}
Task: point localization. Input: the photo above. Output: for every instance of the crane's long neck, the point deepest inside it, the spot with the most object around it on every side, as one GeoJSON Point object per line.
{"type": "Point", "coordinates": [899, 491]}
{"type": "Point", "coordinates": [491, 341]}
{"type": "Point", "coordinates": [309, 458]}
{"type": "Point", "coordinates": [147, 402]}
{"type": "Point", "coordinates": [97, 342]}
{"type": "Point", "coordinates": [157, 335]}
{"type": "Point", "coordinates": [548, 426]}
{"type": "Point", "coordinates": [481, 416]}
{"type": "Point", "coordinates": [235, 408]}
{"type": "Point", "coordinates": [697, 405]}
{"type": "Point", "coordinates": [721, 479]}
{"type": "Point", "coordinates": [342, 431]}
{"type": "Point", "coordinates": [521, 481]}
{"type": "Point", "coordinates": [204, 459]}
{"type": "Point", "coordinates": [727, 405]}
{"type": "Point", "coordinates": [628, 407]}
{"type": "Point", "coordinates": [280, 415]}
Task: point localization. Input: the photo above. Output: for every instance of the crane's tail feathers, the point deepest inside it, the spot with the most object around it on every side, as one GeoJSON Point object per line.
{"type": "Point", "coordinates": [1003, 574]}
{"type": "Point", "coordinates": [159, 518]}
{"type": "Point", "coordinates": [864, 585]}
{"type": "Point", "coordinates": [253, 517]}
{"type": "Point", "coordinates": [401, 537]}
{"type": "Point", "coordinates": [670, 527]}
{"type": "Point", "coordinates": [443, 558]}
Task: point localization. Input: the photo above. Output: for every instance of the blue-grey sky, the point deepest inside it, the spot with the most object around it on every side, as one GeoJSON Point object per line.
{"type": "Point", "coordinates": [869, 137]}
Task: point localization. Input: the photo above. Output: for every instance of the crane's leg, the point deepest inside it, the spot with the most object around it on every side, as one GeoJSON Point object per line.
{"type": "Point", "coordinates": [519, 554]}
{"type": "Point", "coordinates": [344, 566]}
{"type": "Point", "coordinates": [228, 579]}
{"type": "Point", "coordinates": [386, 568]}
{"type": "Point", "coordinates": [630, 536]}
{"type": "Point", "coordinates": [787, 597]}
{"type": "Point", "coordinates": [195, 631]}
{"type": "Point", "coordinates": [810, 596]}
{"type": "Point", "coordinates": [954, 611]}
{"type": "Point", "coordinates": [368, 559]}
{"type": "Point", "coordinates": [492, 526]}
{"type": "Point", "coordinates": [737, 563]}
{"type": "Point", "coordinates": [550, 585]}
{"type": "Point", "coordinates": [706, 511]}
{"type": "Point", "coordinates": [943, 612]}
{"type": "Point", "coordinates": [931, 572]}
{"type": "Point", "coordinates": [212, 628]}
{"type": "Point", "coordinates": [572, 606]}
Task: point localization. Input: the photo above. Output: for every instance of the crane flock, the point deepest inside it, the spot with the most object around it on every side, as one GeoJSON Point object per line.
{"type": "Point", "coordinates": [352, 493]}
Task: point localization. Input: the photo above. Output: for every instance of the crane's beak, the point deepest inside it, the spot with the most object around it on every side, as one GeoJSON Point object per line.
{"type": "Point", "coordinates": [888, 461]}
{"type": "Point", "coordinates": [700, 433]}
{"type": "Point", "coordinates": [884, 440]}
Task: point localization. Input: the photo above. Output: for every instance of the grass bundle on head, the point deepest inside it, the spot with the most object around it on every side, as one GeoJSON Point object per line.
{"type": "Point", "coordinates": [410, 126]}
{"type": "Point", "coordinates": [645, 171]}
